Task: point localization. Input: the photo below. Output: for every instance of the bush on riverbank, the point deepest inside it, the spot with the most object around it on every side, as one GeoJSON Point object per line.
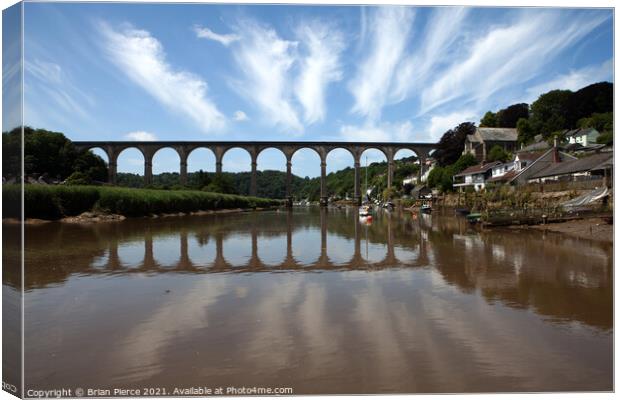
{"type": "Point", "coordinates": [54, 202]}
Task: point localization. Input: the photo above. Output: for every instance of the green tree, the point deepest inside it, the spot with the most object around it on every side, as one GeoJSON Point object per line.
{"type": "Point", "coordinates": [49, 153]}
{"type": "Point", "coordinates": [602, 122]}
{"type": "Point", "coordinates": [92, 166]}
{"type": "Point", "coordinates": [595, 98]}
{"type": "Point", "coordinates": [489, 120]}
{"type": "Point", "coordinates": [606, 138]}
{"type": "Point", "coordinates": [509, 116]}
{"type": "Point", "coordinates": [435, 176]}
{"type": "Point", "coordinates": [11, 153]}
{"type": "Point", "coordinates": [549, 112]}
{"type": "Point", "coordinates": [525, 131]}
{"type": "Point", "coordinates": [464, 161]}
{"type": "Point", "coordinates": [221, 183]}
{"type": "Point", "coordinates": [497, 153]}
{"type": "Point", "coordinates": [201, 179]}
{"type": "Point", "coordinates": [450, 146]}
{"type": "Point", "coordinates": [441, 177]}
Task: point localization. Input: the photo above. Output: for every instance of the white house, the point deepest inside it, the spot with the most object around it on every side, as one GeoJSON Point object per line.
{"type": "Point", "coordinates": [475, 176]}
{"type": "Point", "coordinates": [428, 167]}
{"type": "Point", "coordinates": [584, 137]}
{"type": "Point", "coordinates": [502, 169]}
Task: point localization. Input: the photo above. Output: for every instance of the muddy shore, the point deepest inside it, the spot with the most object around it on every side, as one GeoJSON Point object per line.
{"type": "Point", "coordinates": [587, 228]}
{"type": "Point", "coordinates": [97, 217]}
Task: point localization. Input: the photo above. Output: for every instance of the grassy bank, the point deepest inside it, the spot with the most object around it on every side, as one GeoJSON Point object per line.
{"type": "Point", "coordinates": [54, 202]}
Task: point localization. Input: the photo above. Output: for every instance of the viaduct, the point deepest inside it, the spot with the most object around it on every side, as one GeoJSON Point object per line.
{"type": "Point", "coordinates": [219, 148]}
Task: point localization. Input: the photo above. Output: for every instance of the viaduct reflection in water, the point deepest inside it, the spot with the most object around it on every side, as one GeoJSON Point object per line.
{"type": "Point", "coordinates": [317, 301]}
{"type": "Point", "coordinates": [259, 249]}
{"type": "Point", "coordinates": [554, 275]}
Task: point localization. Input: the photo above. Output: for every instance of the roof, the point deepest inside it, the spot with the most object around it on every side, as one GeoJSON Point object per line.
{"type": "Point", "coordinates": [506, 177]}
{"type": "Point", "coordinates": [542, 145]}
{"type": "Point", "coordinates": [473, 138]}
{"type": "Point", "coordinates": [542, 159]}
{"type": "Point", "coordinates": [574, 147]}
{"type": "Point", "coordinates": [502, 164]}
{"type": "Point", "coordinates": [574, 166]}
{"type": "Point", "coordinates": [498, 134]}
{"type": "Point", "coordinates": [530, 155]}
{"type": "Point", "coordinates": [607, 164]}
{"type": "Point", "coordinates": [478, 169]}
{"type": "Point", "coordinates": [580, 131]}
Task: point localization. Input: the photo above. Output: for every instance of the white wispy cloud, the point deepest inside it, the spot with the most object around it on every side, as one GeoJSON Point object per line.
{"type": "Point", "coordinates": [574, 79]}
{"type": "Point", "coordinates": [388, 32]}
{"type": "Point", "coordinates": [142, 58]}
{"type": "Point", "coordinates": [240, 116]}
{"type": "Point", "coordinates": [58, 88]}
{"type": "Point", "coordinates": [319, 67]}
{"type": "Point", "coordinates": [265, 61]}
{"type": "Point", "coordinates": [206, 33]}
{"type": "Point", "coordinates": [508, 55]}
{"type": "Point", "coordinates": [443, 31]}
{"type": "Point", "coordinates": [141, 136]}
{"type": "Point", "coordinates": [441, 123]}
{"type": "Point", "coordinates": [404, 131]}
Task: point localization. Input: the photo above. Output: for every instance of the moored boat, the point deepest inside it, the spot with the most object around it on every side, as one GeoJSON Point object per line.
{"type": "Point", "coordinates": [365, 211]}
{"type": "Point", "coordinates": [473, 217]}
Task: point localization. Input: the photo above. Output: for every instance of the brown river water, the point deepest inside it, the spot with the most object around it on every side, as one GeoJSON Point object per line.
{"type": "Point", "coordinates": [317, 301]}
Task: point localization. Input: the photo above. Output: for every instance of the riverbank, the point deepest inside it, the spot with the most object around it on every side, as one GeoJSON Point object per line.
{"type": "Point", "coordinates": [97, 217]}
{"type": "Point", "coordinates": [587, 228]}
{"type": "Point", "coordinates": [47, 202]}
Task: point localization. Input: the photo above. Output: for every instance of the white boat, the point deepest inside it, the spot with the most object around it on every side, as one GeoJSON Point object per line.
{"type": "Point", "coordinates": [365, 211]}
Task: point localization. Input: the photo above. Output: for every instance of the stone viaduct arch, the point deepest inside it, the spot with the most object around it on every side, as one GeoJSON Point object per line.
{"type": "Point", "coordinates": [184, 148]}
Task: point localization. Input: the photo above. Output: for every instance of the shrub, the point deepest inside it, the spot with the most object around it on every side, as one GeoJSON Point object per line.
{"type": "Point", "coordinates": [497, 153]}
{"type": "Point", "coordinates": [40, 202]}
{"type": "Point", "coordinates": [54, 202]}
{"type": "Point", "coordinates": [605, 138]}
{"type": "Point", "coordinates": [78, 178]}
{"type": "Point", "coordinates": [75, 200]}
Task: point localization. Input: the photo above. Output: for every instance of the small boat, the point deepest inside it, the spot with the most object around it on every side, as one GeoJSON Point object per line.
{"type": "Point", "coordinates": [426, 209]}
{"type": "Point", "coordinates": [473, 218]}
{"type": "Point", "coordinates": [365, 211]}
{"type": "Point", "coordinates": [366, 220]}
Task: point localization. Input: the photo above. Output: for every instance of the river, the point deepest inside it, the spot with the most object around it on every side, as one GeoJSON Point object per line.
{"type": "Point", "coordinates": [317, 301]}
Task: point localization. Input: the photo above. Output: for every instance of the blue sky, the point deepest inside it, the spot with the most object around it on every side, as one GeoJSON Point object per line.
{"type": "Point", "coordinates": [228, 72]}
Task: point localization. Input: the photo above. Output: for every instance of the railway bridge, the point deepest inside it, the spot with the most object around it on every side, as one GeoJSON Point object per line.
{"type": "Point", "coordinates": [254, 148]}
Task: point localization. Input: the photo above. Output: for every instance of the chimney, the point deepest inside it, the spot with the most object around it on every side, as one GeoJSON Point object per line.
{"type": "Point", "coordinates": [556, 153]}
